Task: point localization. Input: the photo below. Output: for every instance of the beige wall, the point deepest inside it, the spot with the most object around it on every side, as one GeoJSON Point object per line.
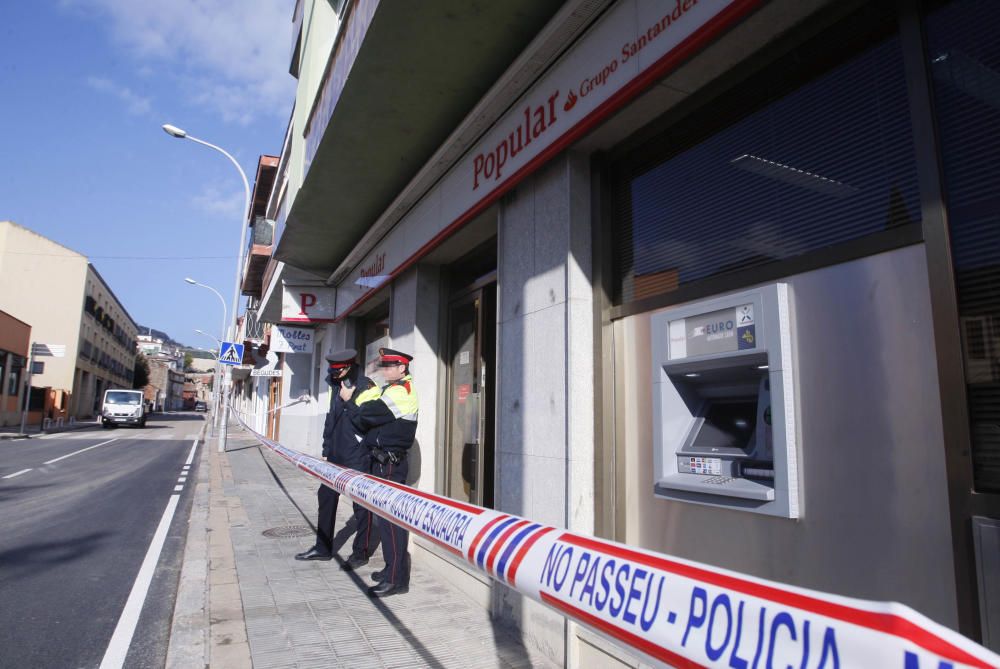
{"type": "Point", "coordinates": [42, 283]}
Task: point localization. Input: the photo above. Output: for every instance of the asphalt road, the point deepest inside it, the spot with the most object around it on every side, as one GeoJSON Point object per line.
{"type": "Point", "coordinates": [75, 531]}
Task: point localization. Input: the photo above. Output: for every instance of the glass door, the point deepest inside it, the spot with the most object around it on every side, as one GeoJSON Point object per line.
{"type": "Point", "coordinates": [470, 396]}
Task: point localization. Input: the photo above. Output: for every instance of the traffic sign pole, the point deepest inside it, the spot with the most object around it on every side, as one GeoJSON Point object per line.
{"type": "Point", "coordinates": [27, 390]}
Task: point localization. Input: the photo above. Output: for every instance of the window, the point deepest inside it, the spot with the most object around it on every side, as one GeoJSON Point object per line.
{"type": "Point", "coordinates": [14, 375]}
{"type": "Point", "coordinates": [964, 59]}
{"type": "Point", "coordinates": [812, 151]}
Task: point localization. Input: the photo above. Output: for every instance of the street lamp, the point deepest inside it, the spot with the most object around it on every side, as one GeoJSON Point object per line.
{"type": "Point", "coordinates": [225, 319]}
{"type": "Point", "coordinates": [174, 131]}
{"type": "Point", "coordinates": [212, 337]}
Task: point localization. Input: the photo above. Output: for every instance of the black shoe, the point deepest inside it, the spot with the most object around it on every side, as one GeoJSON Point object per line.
{"type": "Point", "coordinates": [378, 576]}
{"type": "Point", "coordinates": [314, 554]}
{"type": "Point", "coordinates": [385, 589]}
{"type": "Point", "coordinates": [354, 562]}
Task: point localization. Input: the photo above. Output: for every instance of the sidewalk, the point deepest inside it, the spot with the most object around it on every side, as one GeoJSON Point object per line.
{"type": "Point", "coordinates": [244, 600]}
{"type": "Point", "coordinates": [14, 432]}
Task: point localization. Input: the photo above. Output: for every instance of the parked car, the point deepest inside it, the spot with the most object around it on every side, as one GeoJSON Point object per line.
{"type": "Point", "coordinates": [200, 405]}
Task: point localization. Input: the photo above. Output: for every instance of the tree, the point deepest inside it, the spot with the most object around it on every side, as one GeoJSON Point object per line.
{"type": "Point", "coordinates": [140, 376]}
{"type": "Point", "coordinates": [188, 360]}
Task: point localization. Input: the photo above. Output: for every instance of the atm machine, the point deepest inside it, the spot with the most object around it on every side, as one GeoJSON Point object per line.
{"type": "Point", "coordinates": [724, 403]}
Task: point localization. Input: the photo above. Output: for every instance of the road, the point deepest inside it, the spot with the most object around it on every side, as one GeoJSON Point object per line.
{"type": "Point", "coordinates": [79, 511]}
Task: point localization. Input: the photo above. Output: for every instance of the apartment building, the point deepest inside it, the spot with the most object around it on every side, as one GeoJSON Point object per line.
{"type": "Point", "coordinates": [68, 303]}
{"type": "Point", "coordinates": [568, 211]}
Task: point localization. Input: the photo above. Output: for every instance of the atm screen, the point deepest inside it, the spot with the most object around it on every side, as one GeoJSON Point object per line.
{"type": "Point", "coordinates": [727, 425]}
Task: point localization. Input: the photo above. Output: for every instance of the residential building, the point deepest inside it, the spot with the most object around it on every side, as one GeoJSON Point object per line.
{"type": "Point", "coordinates": [165, 390]}
{"type": "Point", "coordinates": [68, 303]}
{"type": "Point", "coordinates": [15, 343]}
{"type": "Point", "coordinates": [554, 205]}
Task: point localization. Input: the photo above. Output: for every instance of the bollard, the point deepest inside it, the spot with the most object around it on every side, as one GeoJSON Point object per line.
{"type": "Point", "coordinates": [673, 611]}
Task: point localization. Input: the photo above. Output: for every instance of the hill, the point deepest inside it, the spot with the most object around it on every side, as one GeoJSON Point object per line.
{"type": "Point", "coordinates": [170, 341]}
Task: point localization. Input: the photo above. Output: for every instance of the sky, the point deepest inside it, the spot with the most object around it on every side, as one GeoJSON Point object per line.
{"type": "Point", "coordinates": [85, 86]}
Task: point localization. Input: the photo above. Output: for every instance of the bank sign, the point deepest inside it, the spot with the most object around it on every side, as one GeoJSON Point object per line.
{"type": "Point", "coordinates": [633, 45]}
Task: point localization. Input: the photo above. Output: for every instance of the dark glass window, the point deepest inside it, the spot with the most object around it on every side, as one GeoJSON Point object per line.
{"type": "Point", "coordinates": [964, 55]}
{"type": "Point", "coordinates": [811, 151]}
{"type": "Point", "coordinates": [14, 375]}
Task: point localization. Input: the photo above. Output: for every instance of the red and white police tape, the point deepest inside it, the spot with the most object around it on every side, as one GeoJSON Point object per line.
{"type": "Point", "coordinates": [677, 612]}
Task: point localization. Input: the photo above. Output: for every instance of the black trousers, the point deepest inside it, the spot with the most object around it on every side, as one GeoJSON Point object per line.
{"type": "Point", "coordinates": [394, 538]}
{"type": "Point", "coordinates": [365, 540]}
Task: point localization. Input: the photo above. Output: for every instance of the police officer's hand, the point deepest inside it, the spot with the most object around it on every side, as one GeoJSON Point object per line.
{"type": "Point", "coordinates": [346, 393]}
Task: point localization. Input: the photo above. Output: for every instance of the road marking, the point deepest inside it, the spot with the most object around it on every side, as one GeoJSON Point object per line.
{"type": "Point", "coordinates": [178, 488]}
{"type": "Point", "coordinates": [191, 454]}
{"type": "Point", "coordinates": [69, 455]}
{"type": "Point", "coordinates": [182, 479]}
{"type": "Point", "coordinates": [118, 647]}
{"type": "Point", "coordinates": [23, 471]}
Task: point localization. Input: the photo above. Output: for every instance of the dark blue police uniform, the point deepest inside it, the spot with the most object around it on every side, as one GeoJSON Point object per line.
{"type": "Point", "coordinates": [342, 446]}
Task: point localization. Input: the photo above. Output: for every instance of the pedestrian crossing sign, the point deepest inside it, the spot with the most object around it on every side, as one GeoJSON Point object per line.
{"type": "Point", "coordinates": [230, 353]}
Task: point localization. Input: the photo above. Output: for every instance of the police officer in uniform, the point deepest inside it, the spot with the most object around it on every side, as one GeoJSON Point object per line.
{"type": "Point", "coordinates": [342, 446]}
{"type": "Point", "coordinates": [390, 426]}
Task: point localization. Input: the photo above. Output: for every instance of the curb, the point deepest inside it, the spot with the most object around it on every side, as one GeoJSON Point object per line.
{"type": "Point", "coordinates": [208, 627]}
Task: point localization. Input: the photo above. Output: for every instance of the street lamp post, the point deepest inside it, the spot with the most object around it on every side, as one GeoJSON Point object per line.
{"type": "Point", "coordinates": [218, 365]}
{"type": "Point", "coordinates": [174, 131]}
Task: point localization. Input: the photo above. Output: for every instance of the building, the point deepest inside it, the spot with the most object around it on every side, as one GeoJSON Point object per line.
{"type": "Point", "coordinates": [165, 390]}
{"type": "Point", "coordinates": [15, 344]}
{"type": "Point", "coordinates": [79, 311]}
{"type": "Point", "coordinates": [554, 206]}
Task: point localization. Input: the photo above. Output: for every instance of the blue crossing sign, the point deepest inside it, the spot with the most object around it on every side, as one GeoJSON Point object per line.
{"type": "Point", "coordinates": [231, 353]}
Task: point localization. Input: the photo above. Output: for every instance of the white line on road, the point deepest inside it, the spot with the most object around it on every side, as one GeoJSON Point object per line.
{"type": "Point", "coordinates": [194, 446]}
{"type": "Point", "coordinates": [178, 488]}
{"type": "Point", "coordinates": [182, 479]}
{"type": "Point", "coordinates": [114, 656]}
{"type": "Point", "coordinates": [69, 455]}
{"type": "Point", "coordinates": [23, 471]}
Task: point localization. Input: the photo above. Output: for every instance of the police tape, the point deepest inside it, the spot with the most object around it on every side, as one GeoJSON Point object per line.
{"type": "Point", "coordinates": [677, 612]}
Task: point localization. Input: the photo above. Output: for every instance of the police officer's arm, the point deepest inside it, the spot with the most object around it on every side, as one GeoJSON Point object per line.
{"type": "Point", "coordinates": [365, 393]}
{"type": "Point", "coordinates": [372, 414]}
{"type": "Point", "coordinates": [392, 405]}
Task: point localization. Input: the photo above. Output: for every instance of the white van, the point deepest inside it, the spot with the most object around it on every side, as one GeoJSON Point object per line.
{"type": "Point", "coordinates": [123, 407]}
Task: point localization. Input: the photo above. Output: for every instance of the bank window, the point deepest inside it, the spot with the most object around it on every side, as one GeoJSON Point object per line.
{"type": "Point", "coordinates": [963, 55]}
{"type": "Point", "coordinates": [812, 151]}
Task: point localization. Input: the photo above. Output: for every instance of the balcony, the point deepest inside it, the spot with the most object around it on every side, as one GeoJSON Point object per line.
{"type": "Point", "coordinates": [258, 254]}
{"type": "Point", "coordinates": [400, 78]}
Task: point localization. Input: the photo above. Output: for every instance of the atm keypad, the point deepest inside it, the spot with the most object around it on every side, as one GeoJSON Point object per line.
{"type": "Point", "coordinates": [718, 480]}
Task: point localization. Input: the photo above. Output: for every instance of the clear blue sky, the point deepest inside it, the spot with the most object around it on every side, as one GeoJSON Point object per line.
{"type": "Point", "coordinates": [85, 86]}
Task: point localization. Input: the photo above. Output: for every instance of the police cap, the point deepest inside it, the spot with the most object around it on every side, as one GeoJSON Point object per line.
{"type": "Point", "coordinates": [389, 357]}
{"type": "Point", "coordinates": [341, 359]}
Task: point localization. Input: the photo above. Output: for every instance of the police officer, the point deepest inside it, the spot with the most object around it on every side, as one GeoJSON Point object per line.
{"type": "Point", "coordinates": [389, 424]}
{"type": "Point", "coordinates": [342, 446]}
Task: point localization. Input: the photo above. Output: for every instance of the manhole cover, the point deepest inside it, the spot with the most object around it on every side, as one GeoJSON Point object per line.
{"type": "Point", "coordinates": [288, 531]}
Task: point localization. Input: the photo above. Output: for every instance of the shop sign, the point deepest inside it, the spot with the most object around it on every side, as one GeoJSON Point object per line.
{"type": "Point", "coordinates": [636, 43]}
{"type": "Point", "coordinates": [307, 304]}
{"type": "Point", "coordinates": [286, 339]}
